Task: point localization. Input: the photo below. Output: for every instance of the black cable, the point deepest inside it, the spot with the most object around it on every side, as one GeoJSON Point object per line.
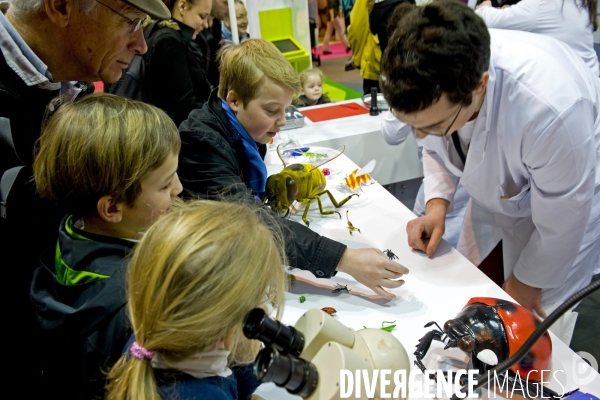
{"type": "Point", "coordinates": [537, 333]}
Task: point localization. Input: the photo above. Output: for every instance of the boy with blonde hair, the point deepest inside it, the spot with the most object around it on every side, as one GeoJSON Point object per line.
{"type": "Point", "coordinates": [223, 145]}
{"type": "Point", "coordinates": [111, 162]}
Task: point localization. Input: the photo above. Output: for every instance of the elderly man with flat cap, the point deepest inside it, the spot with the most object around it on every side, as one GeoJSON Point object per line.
{"type": "Point", "coordinates": [46, 46]}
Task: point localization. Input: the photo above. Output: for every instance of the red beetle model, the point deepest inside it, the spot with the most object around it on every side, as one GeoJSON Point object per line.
{"type": "Point", "coordinates": [490, 331]}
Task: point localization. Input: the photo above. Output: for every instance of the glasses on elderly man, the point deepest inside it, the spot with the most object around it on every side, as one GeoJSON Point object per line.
{"type": "Point", "coordinates": [134, 24]}
{"type": "Point", "coordinates": [436, 133]}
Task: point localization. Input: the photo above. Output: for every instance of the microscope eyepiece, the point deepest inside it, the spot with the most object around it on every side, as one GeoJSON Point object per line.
{"type": "Point", "coordinates": [286, 339]}
{"type": "Point", "coordinates": [298, 376]}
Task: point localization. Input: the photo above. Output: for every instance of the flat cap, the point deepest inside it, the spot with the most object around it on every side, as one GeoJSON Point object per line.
{"type": "Point", "coordinates": [155, 8]}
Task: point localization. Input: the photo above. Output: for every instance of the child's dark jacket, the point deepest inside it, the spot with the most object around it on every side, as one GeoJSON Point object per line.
{"type": "Point", "coordinates": [211, 161]}
{"type": "Point", "coordinates": [175, 385]}
{"type": "Point", "coordinates": [80, 303]}
{"type": "Point", "coordinates": [302, 101]}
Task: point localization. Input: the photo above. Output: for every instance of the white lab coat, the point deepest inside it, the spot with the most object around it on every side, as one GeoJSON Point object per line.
{"type": "Point", "coordinates": [395, 132]}
{"type": "Point", "coordinates": [565, 20]}
{"type": "Point", "coordinates": [533, 166]}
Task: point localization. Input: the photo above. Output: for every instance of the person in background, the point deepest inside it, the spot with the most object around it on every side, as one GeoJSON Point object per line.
{"type": "Point", "coordinates": [224, 143]}
{"type": "Point", "coordinates": [112, 163]}
{"type": "Point", "coordinates": [570, 21]}
{"type": "Point", "coordinates": [241, 16]}
{"type": "Point", "coordinates": [368, 34]}
{"type": "Point", "coordinates": [178, 60]}
{"type": "Point", "coordinates": [333, 12]}
{"type": "Point", "coordinates": [192, 280]}
{"type": "Point", "coordinates": [526, 108]}
{"type": "Point", "coordinates": [366, 53]}
{"type": "Point", "coordinates": [311, 81]}
{"type": "Point", "coordinates": [219, 12]}
{"type": "Point", "coordinates": [45, 48]}
{"type": "Point", "coordinates": [379, 19]}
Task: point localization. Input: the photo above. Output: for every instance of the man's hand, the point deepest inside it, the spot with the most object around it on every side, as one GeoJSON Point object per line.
{"type": "Point", "coordinates": [527, 296]}
{"type": "Point", "coordinates": [373, 269]}
{"type": "Point", "coordinates": [425, 233]}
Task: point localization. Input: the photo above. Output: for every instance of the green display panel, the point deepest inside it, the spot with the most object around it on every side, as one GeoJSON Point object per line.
{"type": "Point", "coordinates": [277, 26]}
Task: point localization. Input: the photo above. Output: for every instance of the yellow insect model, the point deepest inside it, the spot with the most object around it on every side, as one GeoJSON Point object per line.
{"type": "Point", "coordinates": [360, 177]}
{"type": "Point", "coordinates": [299, 182]}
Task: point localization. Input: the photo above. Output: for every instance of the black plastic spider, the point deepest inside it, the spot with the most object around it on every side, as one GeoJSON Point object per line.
{"type": "Point", "coordinates": [390, 254]}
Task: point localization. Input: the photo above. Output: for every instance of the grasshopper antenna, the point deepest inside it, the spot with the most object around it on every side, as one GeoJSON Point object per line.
{"type": "Point", "coordinates": [279, 154]}
{"type": "Point", "coordinates": [331, 159]}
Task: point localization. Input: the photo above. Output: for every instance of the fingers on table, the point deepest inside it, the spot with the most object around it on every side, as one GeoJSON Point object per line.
{"type": "Point", "coordinates": [381, 292]}
{"type": "Point", "coordinates": [434, 240]}
{"type": "Point", "coordinates": [416, 239]}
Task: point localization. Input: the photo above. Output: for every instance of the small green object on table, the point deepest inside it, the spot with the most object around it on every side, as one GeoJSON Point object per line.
{"type": "Point", "coordinates": [303, 299]}
{"type": "Point", "coordinates": [389, 327]}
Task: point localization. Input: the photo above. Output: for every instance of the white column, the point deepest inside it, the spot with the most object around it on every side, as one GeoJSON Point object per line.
{"type": "Point", "coordinates": [233, 22]}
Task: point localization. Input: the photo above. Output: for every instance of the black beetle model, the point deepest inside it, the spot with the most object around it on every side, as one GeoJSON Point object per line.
{"type": "Point", "coordinates": [490, 331]}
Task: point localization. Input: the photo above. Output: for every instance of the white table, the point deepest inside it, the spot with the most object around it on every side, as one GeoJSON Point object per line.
{"type": "Point", "coordinates": [435, 290]}
{"type": "Point", "coordinates": [361, 134]}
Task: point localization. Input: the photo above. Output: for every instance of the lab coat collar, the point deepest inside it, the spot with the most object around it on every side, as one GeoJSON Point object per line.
{"type": "Point", "coordinates": [488, 102]}
{"type": "Point", "coordinates": [483, 126]}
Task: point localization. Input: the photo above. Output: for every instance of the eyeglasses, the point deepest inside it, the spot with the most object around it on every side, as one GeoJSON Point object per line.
{"type": "Point", "coordinates": [134, 24]}
{"type": "Point", "coordinates": [435, 133]}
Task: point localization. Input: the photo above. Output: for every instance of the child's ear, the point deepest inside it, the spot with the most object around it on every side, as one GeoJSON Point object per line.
{"type": "Point", "coordinates": [233, 101]}
{"type": "Point", "coordinates": [109, 209]}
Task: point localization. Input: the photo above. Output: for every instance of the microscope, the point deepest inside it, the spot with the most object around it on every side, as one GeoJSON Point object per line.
{"type": "Point", "coordinates": [307, 358]}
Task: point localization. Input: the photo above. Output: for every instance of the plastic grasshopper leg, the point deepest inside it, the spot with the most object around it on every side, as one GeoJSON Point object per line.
{"type": "Point", "coordinates": [328, 212]}
{"type": "Point", "coordinates": [333, 200]}
{"type": "Point", "coordinates": [307, 201]}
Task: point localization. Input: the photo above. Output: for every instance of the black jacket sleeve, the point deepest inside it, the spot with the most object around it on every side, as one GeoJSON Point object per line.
{"type": "Point", "coordinates": [171, 86]}
{"type": "Point", "coordinates": [208, 166]}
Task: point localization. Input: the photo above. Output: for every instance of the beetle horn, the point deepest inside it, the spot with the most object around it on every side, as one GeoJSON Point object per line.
{"type": "Point", "coordinates": [427, 325]}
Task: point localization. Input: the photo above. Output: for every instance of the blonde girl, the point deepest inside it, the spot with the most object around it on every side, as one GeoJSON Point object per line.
{"type": "Point", "coordinates": [192, 279]}
{"type": "Point", "coordinates": [312, 88]}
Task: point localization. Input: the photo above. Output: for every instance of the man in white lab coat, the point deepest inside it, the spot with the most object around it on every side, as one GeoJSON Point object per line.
{"type": "Point", "coordinates": [460, 229]}
{"type": "Point", "coordinates": [528, 147]}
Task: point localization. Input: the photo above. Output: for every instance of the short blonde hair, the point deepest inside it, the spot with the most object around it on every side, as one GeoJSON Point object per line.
{"type": "Point", "coordinates": [245, 66]}
{"type": "Point", "coordinates": [192, 279]}
{"type": "Point", "coordinates": [101, 145]}
{"type": "Point", "coordinates": [308, 72]}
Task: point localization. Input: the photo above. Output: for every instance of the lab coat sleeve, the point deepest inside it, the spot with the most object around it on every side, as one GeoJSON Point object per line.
{"type": "Point", "coordinates": [438, 182]}
{"type": "Point", "coordinates": [394, 131]}
{"type": "Point", "coordinates": [561, 161]}
{"type": "Point", "coordinates": [522, 16]}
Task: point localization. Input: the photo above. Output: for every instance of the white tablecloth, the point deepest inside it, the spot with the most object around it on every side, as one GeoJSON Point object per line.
{"type": "Point", "coordinates": [435, 290]}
